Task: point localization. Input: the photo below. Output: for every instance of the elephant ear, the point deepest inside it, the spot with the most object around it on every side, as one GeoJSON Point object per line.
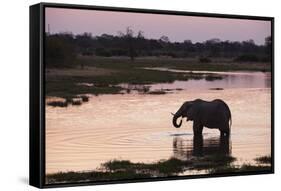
{"type": "Point", "coordinates": [192, 111]}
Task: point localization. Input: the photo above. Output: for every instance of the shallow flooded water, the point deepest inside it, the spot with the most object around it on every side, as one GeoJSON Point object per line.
{"type": "Point", "coordinates": [138, 127]}
{"type": "Point", "coordinates": [229, 80]}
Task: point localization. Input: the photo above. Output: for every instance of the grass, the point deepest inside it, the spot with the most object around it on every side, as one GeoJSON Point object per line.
{"type": "Point", "coordinates": [263, 159]}
{"type": "Point", "coordinates": [243, 168]}
{"type": "Point", "coordinates": [106, 73]}
{"type": "Point", "coordinates": [157, 92]}
{"type": "Point", "coordinates": [58, 103]}
{"type": "Point", "coordinates": [213, 77]}
{"type": "Point", "coordinates": [213, 161]}
{"type": "Point", "coordinates": [215, 88]}
{"type": "Point", "coordinates": [122, 169]}
{"type": "Point", "coordinates": [125, 169]}
{"type": "Point", "coordinates": [84, 98]}
{"type": "Point", "coordinates": [264, 165]}
{"type": "Point", "coordinates": [237, 169]}
{"type": "Point", "coordinates": [217, 64]}
{"type": "Point", "coordinates": [77, 100]}
{"type": "Point", "coordinates": [66, 86]}
{"type": "Point", "coordinates": [160, 168]}
{"type": "Point", "coordinates": [68, 177]}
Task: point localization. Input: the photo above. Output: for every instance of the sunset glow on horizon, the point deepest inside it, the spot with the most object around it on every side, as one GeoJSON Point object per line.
{"type": "Point", "coordinates": [177, 28]}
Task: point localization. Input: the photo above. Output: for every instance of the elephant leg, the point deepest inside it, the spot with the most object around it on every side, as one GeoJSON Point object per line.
{"type": "Point", "coordinates": [225, 132]}
{"type": "Point", "coordinates": [222, 133]}
{"type": "Point", "coordinates": [197, 129]}
{"type": "Point", "coordinates": [197, 145]}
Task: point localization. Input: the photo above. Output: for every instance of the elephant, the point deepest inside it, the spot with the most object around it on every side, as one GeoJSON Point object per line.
{"type": "Point", "coordinates": [211, 114]}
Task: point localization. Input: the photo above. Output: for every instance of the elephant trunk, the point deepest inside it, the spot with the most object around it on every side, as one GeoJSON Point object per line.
{"type": "Point", "coordinates": [175, 121]}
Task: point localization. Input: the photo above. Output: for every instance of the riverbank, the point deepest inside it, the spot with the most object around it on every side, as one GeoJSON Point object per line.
{"type": "Point", "coordinates": [217, 64]}
{"type": "Point", "coordinates": [124, 169]}
{"type": "Point", "coordinates": [101, 75]}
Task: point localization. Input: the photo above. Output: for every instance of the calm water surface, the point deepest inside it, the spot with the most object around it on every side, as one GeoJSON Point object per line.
{"type": "Point", "coordinates": [138, 127]}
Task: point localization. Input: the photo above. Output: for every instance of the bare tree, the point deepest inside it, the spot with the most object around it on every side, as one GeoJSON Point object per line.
{"type": "Point", "coordinates": [129, 38]}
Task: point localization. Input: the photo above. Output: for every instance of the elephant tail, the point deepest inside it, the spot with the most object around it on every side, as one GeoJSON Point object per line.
{"type": "Point", "coordinates": [230, 118]}
{"type": "Point", "coordinates": [228, 115]}
{"type": "Point", "coordinates": [230, 122]}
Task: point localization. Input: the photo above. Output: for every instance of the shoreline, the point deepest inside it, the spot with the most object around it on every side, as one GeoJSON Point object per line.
{"type": "Point", "coordinates": [125, 169]}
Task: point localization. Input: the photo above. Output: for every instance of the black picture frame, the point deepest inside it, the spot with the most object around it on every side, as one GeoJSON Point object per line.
{"type": "Point", "coordinates": [37, 92]}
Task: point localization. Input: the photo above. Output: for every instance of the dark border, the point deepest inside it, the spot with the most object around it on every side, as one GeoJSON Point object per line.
{"type": "Point", "coordinates": [34, 134]}
{"type": "Point", "coordinates": [150, 11]}
{"type": "Point", "coordinates": [272, 96]}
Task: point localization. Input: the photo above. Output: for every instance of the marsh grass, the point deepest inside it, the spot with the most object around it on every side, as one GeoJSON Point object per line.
{"type": "Point", "coordinates": [122, 169]}
{"type": "Point", "coordinates": [217, 64]}
{"type": "Point", "coordinates": [76, 100]}
{"type": "Point", "coordinates": [157, 92]}
{"type": "Point", "coordinates": [160, 168]}
{"type": "Point", "coordinates": [213, 77]}
{"type": "Point", "coordinates": [264, 165]}
{"type": "Point", "coordinates": [66, 86]}
{"type": "Point", "coordinates": [58, 103]}
{"type": "Point", "coordinates": [263, 160]}
{"type": "Point", "coordinates": [125, 169]}
{"type": "Point", "coordinates": [215, 88]}
{"type": "Point", "coordinates": [237, 169]}
{"type": "Point", "coordinates": [69, 177]}
{"type": "Point", "coordinates": [106, 73]}
{"type": "Point", "coordinates": [212, 161]}
{"type": "Point", "coordinates": [84, 98]}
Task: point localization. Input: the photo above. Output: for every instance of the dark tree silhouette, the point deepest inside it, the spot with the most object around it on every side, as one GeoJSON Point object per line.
{"type": "Point", "coordinates": [62, 48]}
{"type": "Point", "coordinates": [130, 40]}
{"type": "Point", "coordinates": [268, 44]}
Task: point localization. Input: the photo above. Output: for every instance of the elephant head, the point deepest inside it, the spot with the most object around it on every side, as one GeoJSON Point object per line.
{"type": "Point", "coordinates": [186, 110]}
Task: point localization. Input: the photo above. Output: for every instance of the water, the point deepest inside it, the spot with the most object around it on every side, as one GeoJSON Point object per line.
{"type": "Point", "coordinates": [138, 127]}
{"type": "Point", "coordinates": [230, 80]}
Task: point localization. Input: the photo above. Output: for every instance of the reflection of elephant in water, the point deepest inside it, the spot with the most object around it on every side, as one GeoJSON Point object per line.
{"type": "Point", "coordinates": [184, 148]}
{"type": "Point", "coordinates": [214, 115]}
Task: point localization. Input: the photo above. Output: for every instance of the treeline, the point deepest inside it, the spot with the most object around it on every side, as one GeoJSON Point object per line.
{"type": "Point", "coordinates": [63, 48]}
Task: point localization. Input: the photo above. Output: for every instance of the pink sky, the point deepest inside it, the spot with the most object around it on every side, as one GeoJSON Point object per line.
{"type": "Point", "coordinates": [177, 28]}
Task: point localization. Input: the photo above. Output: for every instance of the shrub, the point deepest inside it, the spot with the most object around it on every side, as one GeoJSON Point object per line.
{"type": "Point", "coordinates": [59, 52]}
{"type": "Point", "coordinates": [247, 58]}
{"type": "Point", "coordinates": [205, 60]}
{"type": "Point", "coordinates": [103, 52]}
{"type": "Point", "coordinates": [87, 53]}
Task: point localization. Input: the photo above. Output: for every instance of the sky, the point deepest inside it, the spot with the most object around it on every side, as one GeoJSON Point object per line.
{"type": "Point", "coordinates": [177, 28]}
